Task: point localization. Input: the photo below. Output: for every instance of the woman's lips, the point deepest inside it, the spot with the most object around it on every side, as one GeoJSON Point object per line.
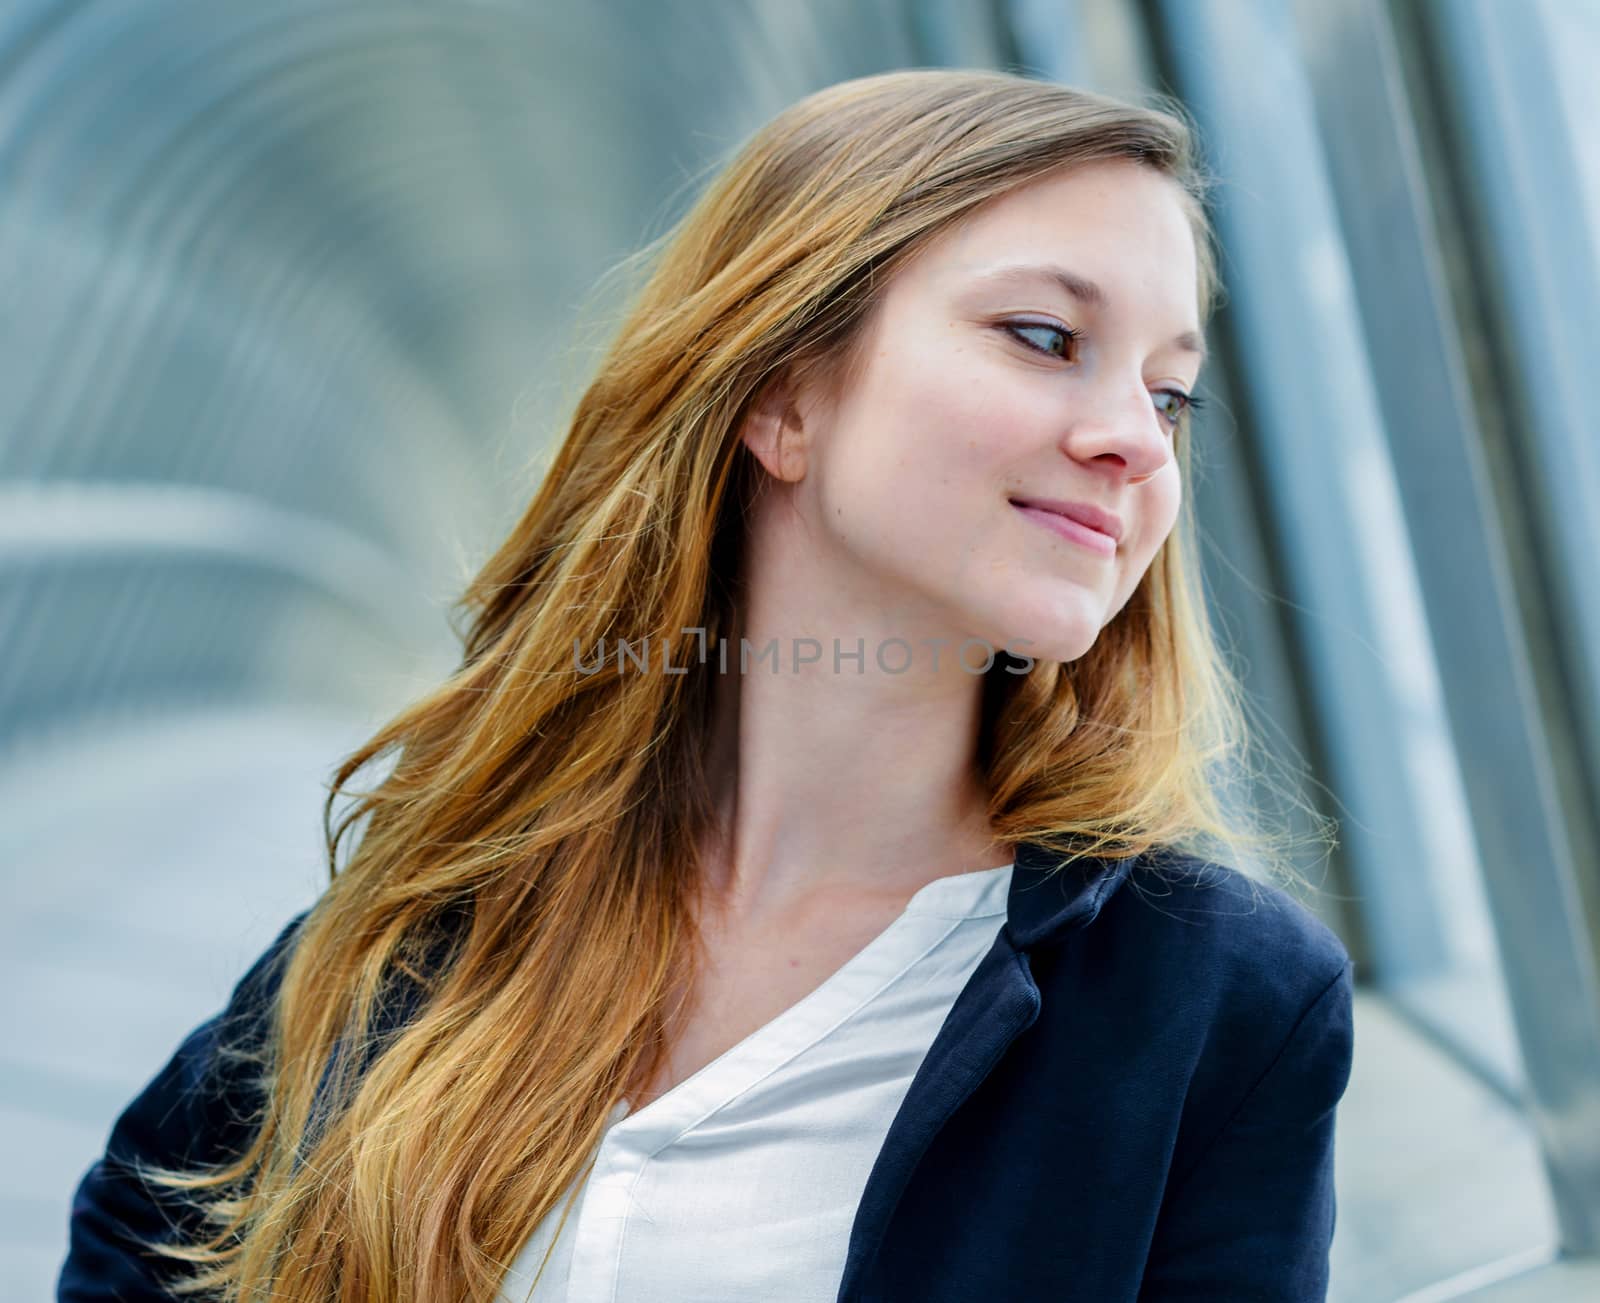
{"type": "Point", "coordinates": [1092, 539]}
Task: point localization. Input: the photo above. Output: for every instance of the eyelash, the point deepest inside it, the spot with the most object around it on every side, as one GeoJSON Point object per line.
{"type": "Point", "coordinates": [1191, 402]}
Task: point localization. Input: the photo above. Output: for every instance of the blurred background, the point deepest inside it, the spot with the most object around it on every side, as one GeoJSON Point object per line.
{"type": "Point", "coordinates": [294, 296]}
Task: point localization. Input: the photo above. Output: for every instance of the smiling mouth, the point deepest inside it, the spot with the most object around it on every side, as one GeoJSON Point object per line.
{"type": "Point", "coordinates": [1065, 527]}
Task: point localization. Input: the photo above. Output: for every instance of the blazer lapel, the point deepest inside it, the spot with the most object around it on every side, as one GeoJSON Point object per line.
{"type": "Point", "coordinates": [999, 1002]}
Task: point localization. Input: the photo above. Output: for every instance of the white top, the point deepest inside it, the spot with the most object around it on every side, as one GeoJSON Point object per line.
{"type": "Point", "coordinates": [742, 1181]}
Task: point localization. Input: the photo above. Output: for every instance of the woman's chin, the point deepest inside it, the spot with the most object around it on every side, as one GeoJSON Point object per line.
{"type": "Point", "coordinates": [1047, 643]}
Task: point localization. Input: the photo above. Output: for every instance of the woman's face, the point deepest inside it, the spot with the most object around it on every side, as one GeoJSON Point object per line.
{"type": "Point", "coordinates": [1037, 353]}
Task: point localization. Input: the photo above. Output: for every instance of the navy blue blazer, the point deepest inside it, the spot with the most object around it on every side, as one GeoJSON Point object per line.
{"type": "Point", "coordinates": [1132, 1098]}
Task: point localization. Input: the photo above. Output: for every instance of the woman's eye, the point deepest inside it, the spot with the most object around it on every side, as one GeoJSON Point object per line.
{"type": "Point", "coordinates": [1054, 340]}
{"type": "Point", "coordinates": [1182, 402]}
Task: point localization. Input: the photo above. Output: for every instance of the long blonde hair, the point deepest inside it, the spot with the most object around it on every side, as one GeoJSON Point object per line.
{"type": "Point", "coordinates": [552, 817]}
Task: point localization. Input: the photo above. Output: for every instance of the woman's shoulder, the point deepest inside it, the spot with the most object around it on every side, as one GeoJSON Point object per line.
{"type": "Point", "coordinates": [1224, 907]}
{"type": "Point", "coordinates": [1227, 974]}
{"type": "Point", "coordinates": [1245, 945]}
{"type": "Point", "coordinates": [197, 1111]}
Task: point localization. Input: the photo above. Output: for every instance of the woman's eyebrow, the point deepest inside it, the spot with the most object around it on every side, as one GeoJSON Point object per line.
{"type": "Point", "coordinates": [1085, 291]}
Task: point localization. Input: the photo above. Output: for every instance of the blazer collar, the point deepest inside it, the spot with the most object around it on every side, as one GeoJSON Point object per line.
{"type": "Point", "coordinates": [1000, 1001]}
{"type": "Point", "coordinates": [1049, 893]}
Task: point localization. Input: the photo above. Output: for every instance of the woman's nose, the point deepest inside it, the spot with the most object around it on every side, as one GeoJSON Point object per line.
{"type": "Point", "coordinates": [1123, 426]}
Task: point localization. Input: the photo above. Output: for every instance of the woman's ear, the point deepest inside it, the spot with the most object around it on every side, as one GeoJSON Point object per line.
{"type": "Point", "coordinates": [772, 430]}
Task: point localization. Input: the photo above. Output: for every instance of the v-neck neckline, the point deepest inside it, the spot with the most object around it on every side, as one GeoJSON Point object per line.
{"type": "Point", "coordinates": [951, 900]}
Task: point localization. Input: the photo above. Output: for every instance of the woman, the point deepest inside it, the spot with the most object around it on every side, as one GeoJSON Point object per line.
{"type": "Point", "coordinates": [849, 935]}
